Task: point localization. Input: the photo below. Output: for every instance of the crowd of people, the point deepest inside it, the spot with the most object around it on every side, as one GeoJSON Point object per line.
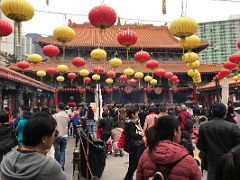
{"type": "Point", "coordinates": [158, 138]}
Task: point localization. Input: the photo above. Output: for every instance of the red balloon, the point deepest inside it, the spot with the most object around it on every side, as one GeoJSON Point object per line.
{"type": "Point", "coordinates": [127, 38]}
{"type": "Point", "coordinates": [5, 28]}
{"type": "Point", "coordinates": [111, 74]}
{"type": "Point", "coordinates": [72, 75]}
{"type": "Point", "coordinates": [159, 72]}
{"type": "Point", "coordinates": [98, 70]}
{"type": "Point", "coordinates": [78, 62]}
{"type": "Point", "coordinates": [50, 50]}
{"type": "Point", "coordinates": [132, 81]}
{"type": "Point", "coordinates": [225, 72]}
{"type": "Point", "coordinates": [51, 70]}
{"type": "Point", "coordinates": [102, 16]}
{"type": "Point", "coordinates": [123, 78]}
{"type": "Point", "coordinates": [168, 75]}
{"type": "Point", "coordinates": [235, 58]}
{"type": "Point", "coordinates": [152, 64]}
{"type": "Point", "coordinates": [87, 80]}
{"type": "Point", "coordinates": [141, 56]}
{"type": "Point", "coordinates": [23, 64]}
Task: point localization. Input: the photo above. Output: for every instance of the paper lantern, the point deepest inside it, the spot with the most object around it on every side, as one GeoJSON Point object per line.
{"type": "Point", "coordinates": [63, 34]}
{"type": "Point", "coordinates": [84, 72]}
{"type": "Point", "coordinates": [96, 77]}
{"type": "Point", "coordinates": [159, 72]}
{"type": "Point", "coordinates": [127, 38]}
{"type": "Point", "coordinates": [148, 89]}
{"type": "Point", "coordinates": [34, 58]}
{"type": "Point", "coordinates": [109, 81]}
{"type": "Point", "coordinates": [235, 78]}
{"type": "Point", "coordinates": [132, 81]}
{"type": "Point", "coordinates": [235, 58]}
{"type": "Point", "coordinates": [229, 65]}
{"type": "Point", "coordinates": [41, 73]}
{"type": "Point", "coordinates": [102, 16]}
{"type": "Point", "coordinates": [62, 68]}
{"type": "Point", "coordinates": [51, 70]}
{"type": "Point", "coordinates": [183, 27]}
{"type": "Point", "coordinates": [190, 42]}
{"type": "Point", "coordinates": [138, 75]}
{"type": "Point", "coordinates": [148, 78]}
{"type": "Point", "coordinates": [98, 54]}
{"type": "Point", "coordinates": [192, 72]}
{"type": "Point", "coordinates": [23, 65]}
{"type": "Point", "coordinates": [153, 82]}
{"type": "Point", "coordinates": [50, 50]}
{"type": "Point", "coordinates": [194, 65]}
{"type": "Point", "coordinates": [141, 56]}
{"type": "Point", "coordinates": [115, 62]}
{"type": "Point", "coordinates": [72, 75]}
{"type": "Point", "coordinates": [98, 70]}
{"type": "Point", "coordinates": [128, 72]}
{"type": "Point", "coordinates": [111, 74]}
{"type": "Point", "coordinates": [190, 57]}
{"type": "Point", "coordinates": [87, 80]}
{"type": "Point", "coordinates": [225, 72]}
{"type": "Point", "coordinates": [5, 28]}
{"type": "Point", "coordinates": [152, 64]}
{"type": "Point", "coordinates": [78, 62]}
{"type": "Point", "coordinates": [168, 75]}
{"type": "Point", "coordinates": [60, 78]}
{"type": "Point", "coordinates": [123, 78]}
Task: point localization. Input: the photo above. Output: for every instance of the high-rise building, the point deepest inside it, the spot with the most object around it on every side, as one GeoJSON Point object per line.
{"type": "Point", "coordinates": [222, 37]}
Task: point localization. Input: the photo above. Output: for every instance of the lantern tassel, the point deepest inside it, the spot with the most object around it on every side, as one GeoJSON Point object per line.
{"type": "Point", "coordinates": [164, 8]}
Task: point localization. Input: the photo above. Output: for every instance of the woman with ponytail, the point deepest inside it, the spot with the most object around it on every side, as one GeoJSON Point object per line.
{"type": "Point", "coordinates": [229, 165]}
{"type": "Point", "coordinates": [164, 150]}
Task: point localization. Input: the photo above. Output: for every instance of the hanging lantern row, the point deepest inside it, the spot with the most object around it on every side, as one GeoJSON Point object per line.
{"type": "Point", "coordinates": [80, 90]}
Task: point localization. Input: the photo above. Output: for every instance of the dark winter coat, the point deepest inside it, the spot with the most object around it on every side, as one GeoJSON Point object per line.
{"type": "Point", "coordinates": [166, 152]}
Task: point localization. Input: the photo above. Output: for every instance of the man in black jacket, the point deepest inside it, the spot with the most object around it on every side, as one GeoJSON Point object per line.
{"type": "Point", "coordinates": [217, 137]}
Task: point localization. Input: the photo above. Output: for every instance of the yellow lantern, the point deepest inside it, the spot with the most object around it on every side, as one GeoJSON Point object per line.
{"type": "Point", "coordinates": [84, 72]}
{"type": "Point", "coordinates": [239, 75]}
{"type": "Point", "coordinates": [153, 82]}
{"type": "Point", "coordinates": [183, 27]}
{"type": "Point", "coordinates": [128, 72]}
{"type": "Point", "coordinates": [109, 80]}
{"type": "Point", "coordinates": [138, 75]}
{"type": "Point", "coordinates": [60, 78]}
{"type": "Point", "coordinates": [96, 77]}
{"type": "Point", "coordinates": [194, 65]}
{"type": "Point", "coordinates": [17, 10]}
{"type": "Point", "coordinates": [41, 73]}
{"type": "Point", "coordinates": [191, 72]}
{"type": "Point", "coordinates": [190, 42]}
{"type": "Point", "coordinates": [190, 57]}
{"type": "Point", "coordinates": [148, 78]}
{"type": "Point", "coordinates": [62, 68]}
{"type": "Point", "coordinates": [63, 34]}
{"type": "Point", "coordinates": [34, 58]}
{"type": "Point", "coordinates": [98, 54]}
{"type": "Point", "coordinates": [115, 62]}
{"type": "Point", "coordinates": [235, 78]}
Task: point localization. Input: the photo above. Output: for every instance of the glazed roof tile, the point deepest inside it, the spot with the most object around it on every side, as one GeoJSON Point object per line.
{"type": "Point", "coordinates": [149, 36]}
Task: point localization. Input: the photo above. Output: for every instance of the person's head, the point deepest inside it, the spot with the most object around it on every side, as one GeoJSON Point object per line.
{"type": "Point", "coordinates": [132, 113]}
{"type": "Point", "coordinates": [76, 113]}
{"type": "Point", "coordinates": [105, 114]}
{"type": "Point", "coordinates": [219, 110]}
{"type": "Point", "coordinates": [163, 109]}
{"type": "Point", "coordinates": [202, 119]}
{"type": "Point", "coordinates": [228, 165]}
{"type": "Point", "coordinates": [26, 114]}
{"type": "Point", "coordinates": [153, 109]}
{"type": "Point", "coordinates": [183, 107]}
{"type": "Point", "coordinates": [39, 131]}
{"type": "Point", "coordinates": [3, 117]}
{"type": "Point", "coordinates": [165, 128]}
{"type": "Point", "coordinates": [60, 107]}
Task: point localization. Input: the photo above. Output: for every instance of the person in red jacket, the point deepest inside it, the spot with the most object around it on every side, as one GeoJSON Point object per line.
{"type": "Point", "coordinates": [164, 149]}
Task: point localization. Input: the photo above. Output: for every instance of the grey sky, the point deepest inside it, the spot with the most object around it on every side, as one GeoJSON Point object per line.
{"type": "Point", "coordinates": [200, 10]}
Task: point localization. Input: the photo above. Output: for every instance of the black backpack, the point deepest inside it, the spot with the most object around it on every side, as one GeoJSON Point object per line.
{"type": "Point", "coordinates": [163, 174]}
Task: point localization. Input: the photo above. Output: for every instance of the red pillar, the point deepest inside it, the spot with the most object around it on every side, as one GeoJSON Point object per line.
{"type": "Point", "coordinates": [55, 101]}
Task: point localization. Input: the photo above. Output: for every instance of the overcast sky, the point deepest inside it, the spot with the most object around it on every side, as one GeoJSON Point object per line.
{"type": "Point", "coordinates": [200, 10]}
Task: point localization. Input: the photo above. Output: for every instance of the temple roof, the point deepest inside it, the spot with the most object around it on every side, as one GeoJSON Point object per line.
{"type": "Point", "coordinates": [149, 36]}
{"type": "Point", "coordinates": [212, 85]}
{"type": "Point", "coordinates": [7, 73]}
{"type": "Point", "coordinates": [172, 66]}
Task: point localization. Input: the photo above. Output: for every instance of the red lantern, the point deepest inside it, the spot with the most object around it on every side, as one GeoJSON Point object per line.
{"type": "Point", "coordinates": [50, 50]}
{"type": "Point", "coordinates": [23, 65]}
{"type": "Point", "coordinates": [148, 89]}
{"type": "Point", "coordinates": [177, 81]}
{"type": "Point", "coordinates": [132, 81]}
{"type": "Point", "coordinates": [111, 74]}
{"type": "Point", "coordinates": [141, 56]}
{"type": "Point", "coordinates": [225, 72]}
{"type": "Point", "coordinates": [235, 58]}
{"type": "Point", "coordinates": [229, 65]}
{"type": "Point", "coordinates": [82, 90]}
{"type": "Point", "coordinates": [123, 78]}
{"type": "Point", "coordinates": [72, 75]}
{"type": "Point", "coordinates": [98, 70]}
{"type": "Point", "coordinates": [51, 70]}
{"type": "Point", "coordinates": [102, 16]}
{"type": "Point", "coordinates": [159, 72]}
{"type": "Point", "coordinates": [5, 28]}
{"type": "Point", "coordinates": [174, 89]}
{"type": "Point", "coordinates": [168, 75]}
{"type": "Point", "coordinates": [152, 64]}
{"type": "Point", "coordinates": [78, 62]}
{"type": "Point", "coordinates": [87, 80]}
{"type": "Point", "coordinates": [108, 90]}
{"type": "Point", "coordinates": [173, 78]}
{"type": "Point", "coordinates": [127, 38]}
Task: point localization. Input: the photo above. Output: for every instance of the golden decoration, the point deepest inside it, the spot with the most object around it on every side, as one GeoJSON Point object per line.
{"type": "Point", "coordinates": [115, 62]}
{"type": "Point", "coordinates": [84, 72]}
{"type": "Point", "coordinates": [34, 58]}
{"type": "Point", "coordinates": [98, 54]}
